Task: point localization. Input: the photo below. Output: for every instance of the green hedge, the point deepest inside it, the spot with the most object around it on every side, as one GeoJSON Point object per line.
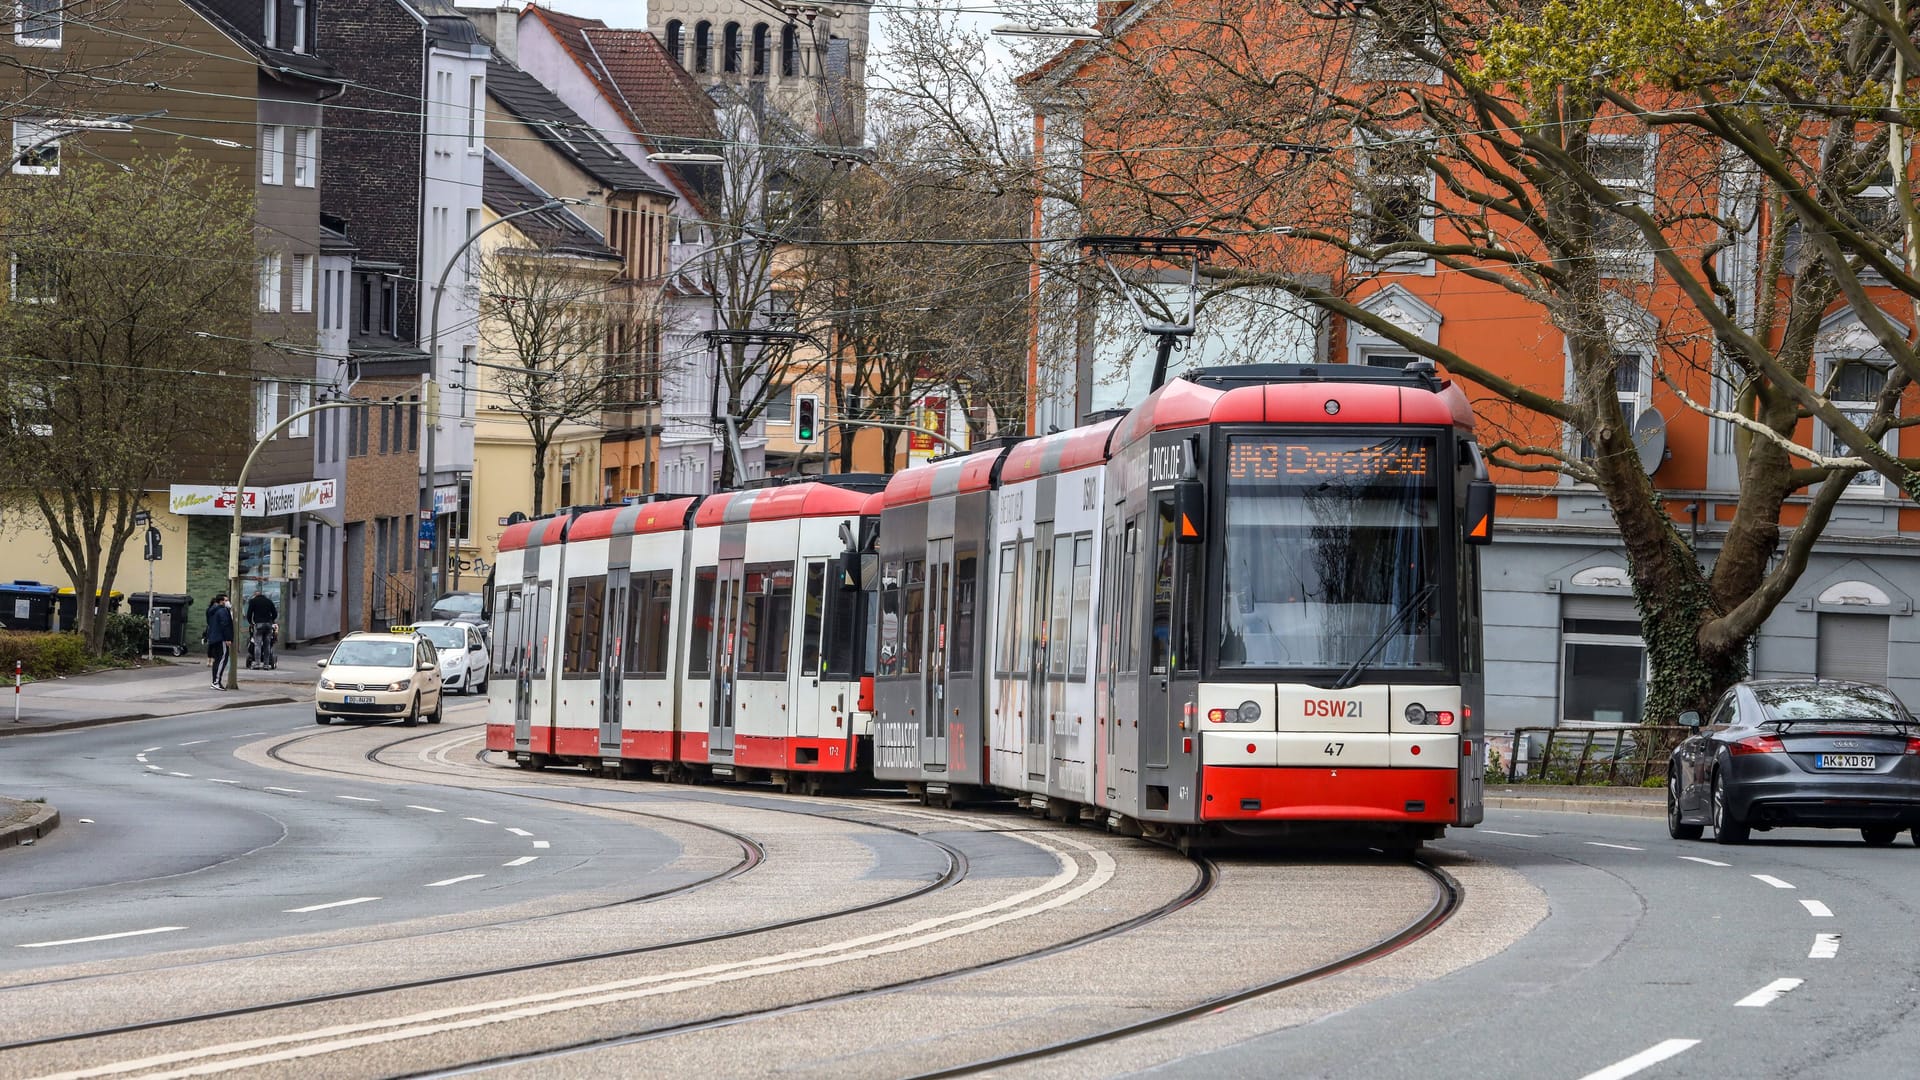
{"type": "Point", "coordinates": [126, 635]}
{"type": "Point", "coordinates": [42, 656]}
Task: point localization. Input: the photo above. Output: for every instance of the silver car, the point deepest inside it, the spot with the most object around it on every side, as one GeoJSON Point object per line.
{"type": "Point", "coordinates": [1797, 752]}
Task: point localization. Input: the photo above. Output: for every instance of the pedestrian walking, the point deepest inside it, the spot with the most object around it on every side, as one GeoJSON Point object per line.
{"type": "Point", "coordinates": [220, 638]}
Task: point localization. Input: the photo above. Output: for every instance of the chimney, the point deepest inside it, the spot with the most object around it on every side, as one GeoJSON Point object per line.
{"type": "Point", "coordinates": [500, 27]}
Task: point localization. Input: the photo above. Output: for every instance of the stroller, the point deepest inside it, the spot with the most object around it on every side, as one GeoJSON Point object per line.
{"type": "Point", "coordinates": [260, 643]}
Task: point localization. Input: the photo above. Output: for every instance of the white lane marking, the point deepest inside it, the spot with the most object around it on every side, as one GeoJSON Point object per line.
{"type": "Point", "coordinates": [151, 749]}
{"type": "Point", "coordinates": [541, 844]}
{"type": "Point", "coordinates": [289, 790]}
{"type": "Point", "coordinates": [1825, 947]}
{"type": "Point", "coordinates": [102, 937]}
{"type": "Point", "coordinates": [1497, 832]}
{"type": "Point", "coordinates": [356, 798]}
{"type": "Point", "coordinates": [139, 757]}
{"type": "Point", "coordinates": [1817, 909]}
{"type": "Point", "coordinates": [1773, 881]}
{"type": "Point", "coordinates": [428, 809]}
{"type": "Point", "coordinates": [452, 881]}
{"type": "Point", "coordinates": [1616, 847]}
{"type": "Point", "coordinates": [156, 768]}
{"type": "Point", "coordinates": [1652, 1055]}
{"type": "Point", "coordinates": [195, 742]}
{"type": "Point", "coordinates": [481, 820]}
{"type": "Point", "coordinates": [1065, 888]}
{"type": "Point", "coordinates": [1768, 994]}
{"type": "Point", "coordinates": [521, 861]}
{"type": "Point", "coordinates": [248, 735]}
{"type": "Point", "coordinates": [336, 903]}
{"type": "Point", "coordinates": [188, 775]}
{"type": "Point", "coordinates": [1704, 862]}
{"type": "Point", "coordinates": [217, 780]}
{"type": "Point", "coordinates": [518, 832]}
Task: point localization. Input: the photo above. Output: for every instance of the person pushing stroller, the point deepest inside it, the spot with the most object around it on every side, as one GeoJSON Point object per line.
{"type": "Point", "coordinates": [263, 630]}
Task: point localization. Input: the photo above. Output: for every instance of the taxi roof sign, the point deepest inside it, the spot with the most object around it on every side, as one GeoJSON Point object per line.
{"type": "Point", "coordinates": [400, 630]}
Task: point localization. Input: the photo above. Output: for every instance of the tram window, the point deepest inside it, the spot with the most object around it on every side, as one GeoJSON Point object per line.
{"type": "Point", "coordinates": [965, 581]}
{"type": "Point", "coordinates": [1059, 649]}
{"type": "Point", "coordinates": [1129, 586]}
{"type": "Point", "coordinates": [1186, 638]}
{"type": "Point", "coordinates": [1008, 607]}
{"type": "Point", "coordinates": [636, 629]}
{"type": "Point", "coordinates": [647, 636]}
{"type": "Point", "coordinates": [889, 635]}
{"type": "Point", "coordinates": [1033, 646]}
{"type": "Point", "coordinates": [842, 624]}
{"type": "Point", "coordinates": [815, 618]}
{"type": "Point", "coordinates": [776, 624]}
{"type": "Point", "coordinates": [586, 597]}
{"type": "Point", "coordinates": [538, 630]}
{"type": "Point", "coordinates": [1161, 645]}
{"type": "Point", "coordinates": [700, 626]}
{"type": "Point", "coordinates": [1082, 605]}
{"type": "Point", "coordinates": [506, 628]}
{"type": "Point", "coordinates": [916, 618]}
{"type": "Point", "coordinates": [746, 654]}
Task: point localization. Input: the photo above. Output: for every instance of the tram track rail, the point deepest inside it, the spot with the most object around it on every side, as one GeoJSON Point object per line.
{"type": "Point", "coordinates": [956, 870]}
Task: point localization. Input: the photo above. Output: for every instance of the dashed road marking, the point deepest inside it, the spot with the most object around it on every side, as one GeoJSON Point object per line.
{"type": "Point", "coordinates": [518, 832]}
{"type": "Point", "coordinates": [101, 937]}
{"type": "Point", "coordinates": [541, 844]}
{"type": "Point", "coordinates": [335, 904]}
{"type": "Point", "coordinates": [217, 780]}
{"type": "Point", "coordinates": [151, 749]}
{"type": "Point", "coordinates": [289, 790]}
{"type": "Point", "coordinates": [1616, 847]}
{"type": "Point", "coordinates": [1825, 947]}
{"type": "Point", "coordinates": [195, 742]}
{"type": "Point", "coordinates": [187, 775]}
{"type": "Point", "coordinates": [156, 768]}
{"type": "Point", "coordinates": [1817, 909]}
{"type": "Point", "coordinates": [521, 861]}
{"type": "Point", "coordinates": [1652, 1055]}
{"type": "Point", "coordinates": [1773, 881]}
{"type": "Point", "coordinates": [1497, 832]}
{"type": "Point", "coordinates": [428, 809]}
{"type": "Point", "coordinates": [452, 881]}
{"type": "Point", "coordinates": [356, 798]}
{"type": "Point", "coordinates": [1768, 994]}
{"type": "Point", "coordinates": [481, 820]}
{"type": "Point", "coordinates": [139, 757]}
{"type": "Point", "coordinates": [247, 735]}
{"type": "Point", "coordinates": [1705, 862]}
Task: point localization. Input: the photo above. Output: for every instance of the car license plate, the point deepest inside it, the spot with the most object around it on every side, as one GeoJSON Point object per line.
{"type": "Point", "coordinates": [359, 699]}
{"type": "Point", "coordinates": [1843, 761]}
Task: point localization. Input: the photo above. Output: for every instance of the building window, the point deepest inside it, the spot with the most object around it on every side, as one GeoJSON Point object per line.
{"type": "Point", "coordinates": [270, 142]}
{"type": "Point", "coordinates": [37, 23]}
{"type": "Point", "coordinates": [266, 403]}
{"type": "Point", "coordinates": [36, 148]}
{"type": "Point", "coordinates": [702, 46]}
{"type": "Point", "coordinates": [299, 26]}
{"type": "Point", "coordinates": [1854, 385]}
{"type": "Point", "coordinates": [413, 424]}
{"type": "Point", "coordinates": [1631, 375]}
{"type": "Point", "coordinates": [789, 51]}
{"type": "Point", "coordinates": [389, 306]}
{"type": "Point", "coordinates": [302, 283]}
{"type": "Point", "coordinates": [675, 47]}
{"type": "Point", "coordinates": [760, 33]}
{"type": "Point", "coordinates": [299, 396]}
{"type": "Point", "coordinates": [269, 279]}
{"type": "Point", "coordinates": [566, 483]}
{"type": "Point", "coordinates": [730, 44]}
{"type": "Point", "coordinates": [1875, 210]}
{"type": "Point", "coordinates": [306, 145]}
{"type": "Point", "coordinates": [472, 257]}
{"type": "Point", "coordinates": [779, 408]}
{"type": "Point", "coordinates": [29, 282]}
{"type": "Point", "coordinates": [1603, 665]}
{"type": "Point", "coordinates": [270, 23]}
{"type": "Point", "coordinates": [1380, 55]}
{"type": "Point", "coordinates": [1392, 201]}
{"type": "Point", "coordinates": [476, 111]}
{"type": "Point", "coordinates": [1625, 166]}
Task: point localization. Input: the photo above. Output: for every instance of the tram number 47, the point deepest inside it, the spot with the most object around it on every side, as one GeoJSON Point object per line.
{"type": "Point", "coordinates": [1334, 749]}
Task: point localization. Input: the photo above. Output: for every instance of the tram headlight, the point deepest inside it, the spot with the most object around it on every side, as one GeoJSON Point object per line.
{"type": "Point", "coordinates": [1416, 713]}
{"type": "Point", "coordinates": [1249, 712]}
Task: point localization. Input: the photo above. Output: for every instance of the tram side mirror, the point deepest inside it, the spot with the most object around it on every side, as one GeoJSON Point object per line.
{"type": "Point", "coordinates": [1480, 511]}
{"type": "Point", "coordinates": [1190, 511]}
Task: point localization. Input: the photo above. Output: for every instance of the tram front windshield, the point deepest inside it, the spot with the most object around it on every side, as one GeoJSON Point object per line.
{"type": "Point", "coordinates": [1332, 546]}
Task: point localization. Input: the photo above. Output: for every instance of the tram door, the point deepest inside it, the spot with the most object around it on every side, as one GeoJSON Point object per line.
{"type": "Point", "coordinates": [510, 631]}
{"type": "Point", "coordinates": [726, 660]}
{"type": "Point", "coordinates": [529, 641]}
{"type": "Point", "coordinates": [1039, 625]}
{"type": "Point", "coordinates": [613, 648]}
{"type": "Point", "coordinates": [1174, 641]}
{"type": "Point", "coordinates": [929, 597]}
{"type": "Point", "coordinates": [1120, 630]}
{"type": "Point", "coordinates": [806, 674]}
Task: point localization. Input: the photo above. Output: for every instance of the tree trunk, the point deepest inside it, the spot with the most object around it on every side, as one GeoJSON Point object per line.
{"type": "Point", "coordinates": [539, 476]}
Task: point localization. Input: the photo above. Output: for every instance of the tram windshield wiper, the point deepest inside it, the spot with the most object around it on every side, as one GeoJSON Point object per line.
{"type": "Point", "coordinates": [1401, 614]}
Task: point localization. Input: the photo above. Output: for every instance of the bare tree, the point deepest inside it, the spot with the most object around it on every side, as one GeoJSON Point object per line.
{"type": "Point", "coordinates": [548, 319]}
{"type": "Point", "coordinates": [122, 349]}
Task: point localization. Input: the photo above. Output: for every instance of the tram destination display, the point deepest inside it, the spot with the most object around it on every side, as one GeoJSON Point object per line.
{"type": "Point", "coordinates": [1282, 459]}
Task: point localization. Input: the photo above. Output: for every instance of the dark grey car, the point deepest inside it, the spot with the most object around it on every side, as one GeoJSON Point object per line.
{"type": "Point", "coordinates": [1796, 752]}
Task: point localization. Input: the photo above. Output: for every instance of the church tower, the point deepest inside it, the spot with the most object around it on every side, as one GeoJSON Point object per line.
{"type": "Point", "coordinates": [809, 60]}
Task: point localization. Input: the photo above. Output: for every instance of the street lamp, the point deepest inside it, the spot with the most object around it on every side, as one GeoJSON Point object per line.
{"type": "Point", "coordinates": [431, 399]}
{"type": "Point", "coordinates": [60, 129]}
{"type": "Point", "coordinates": [1071, 33]}
{"type": "Point", "coordinates": [239, 505]}
{"type": "Point", "coordinates": [685, 157]}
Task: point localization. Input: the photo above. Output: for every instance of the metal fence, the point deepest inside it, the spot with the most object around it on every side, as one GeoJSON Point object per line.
{"type": "Point", "coordinates": [1622, 755]}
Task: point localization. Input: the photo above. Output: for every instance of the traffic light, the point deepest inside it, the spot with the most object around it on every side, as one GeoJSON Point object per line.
{"type": "Point", "coordinates": [806, 413]}
{"type": "Point", "coordinates": [277, 557]}
{"type": "Point", "coordinates": [294, 552]}
{"type": "Point", "coordinates": [152, 550]}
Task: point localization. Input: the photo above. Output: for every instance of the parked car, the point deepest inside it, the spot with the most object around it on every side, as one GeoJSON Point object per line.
{"type": "Point", "coordinates": [1796, 752]}
{"type": "Point", "coordinates": [464, 661]}
{"type": "Point", "coordinates": [457, 605]}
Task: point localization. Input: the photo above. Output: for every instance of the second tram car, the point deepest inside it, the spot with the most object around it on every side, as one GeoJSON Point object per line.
{"type": "Point", "coordinates": [1247, 607]}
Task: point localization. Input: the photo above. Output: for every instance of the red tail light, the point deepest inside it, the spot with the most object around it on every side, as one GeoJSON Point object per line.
{"type": "Point", "coordinates": [1913, 746]}
{"type": "Point", "coordinates": [1758, 744]}
{"type": "Point", "coordinates": [1443, 719]}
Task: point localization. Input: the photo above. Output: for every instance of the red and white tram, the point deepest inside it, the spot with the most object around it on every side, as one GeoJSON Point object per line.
{"type": "Point", "coordinates": [1249, 606]}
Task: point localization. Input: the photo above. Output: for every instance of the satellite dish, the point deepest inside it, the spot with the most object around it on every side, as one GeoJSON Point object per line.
{"type": "Point", "coordinates": [1650, 439]}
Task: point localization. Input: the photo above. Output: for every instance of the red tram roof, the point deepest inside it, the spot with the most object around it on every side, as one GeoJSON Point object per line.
{"type": "Point", "coordinates": [667, 515]}
{"type": "Point", "coordinates": [1184, 404]}
{"type": "Point", "coordinates": [1060, 452]}
{"type": "Point", "coordinates": [916, 485]}
{"type": "Point", "coordinates": [783, 503]}
{"type": "Point", "coordinates": [533, 534]}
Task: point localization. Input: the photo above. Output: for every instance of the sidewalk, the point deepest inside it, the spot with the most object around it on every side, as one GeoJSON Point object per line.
{"type": "Point", "coordinates": [167, 688]}
{"type": "Point", "coordinates": [1624, 801]}
{"type": "Point", "coordinates": [25, 822]}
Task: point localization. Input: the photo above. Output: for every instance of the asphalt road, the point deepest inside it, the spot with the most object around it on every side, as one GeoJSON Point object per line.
{"type": "Point", "coordinates": [195, 874]}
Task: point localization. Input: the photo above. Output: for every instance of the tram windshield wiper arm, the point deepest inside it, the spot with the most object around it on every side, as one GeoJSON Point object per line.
{"type": "Point", "coordinates": [1401, 614]}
